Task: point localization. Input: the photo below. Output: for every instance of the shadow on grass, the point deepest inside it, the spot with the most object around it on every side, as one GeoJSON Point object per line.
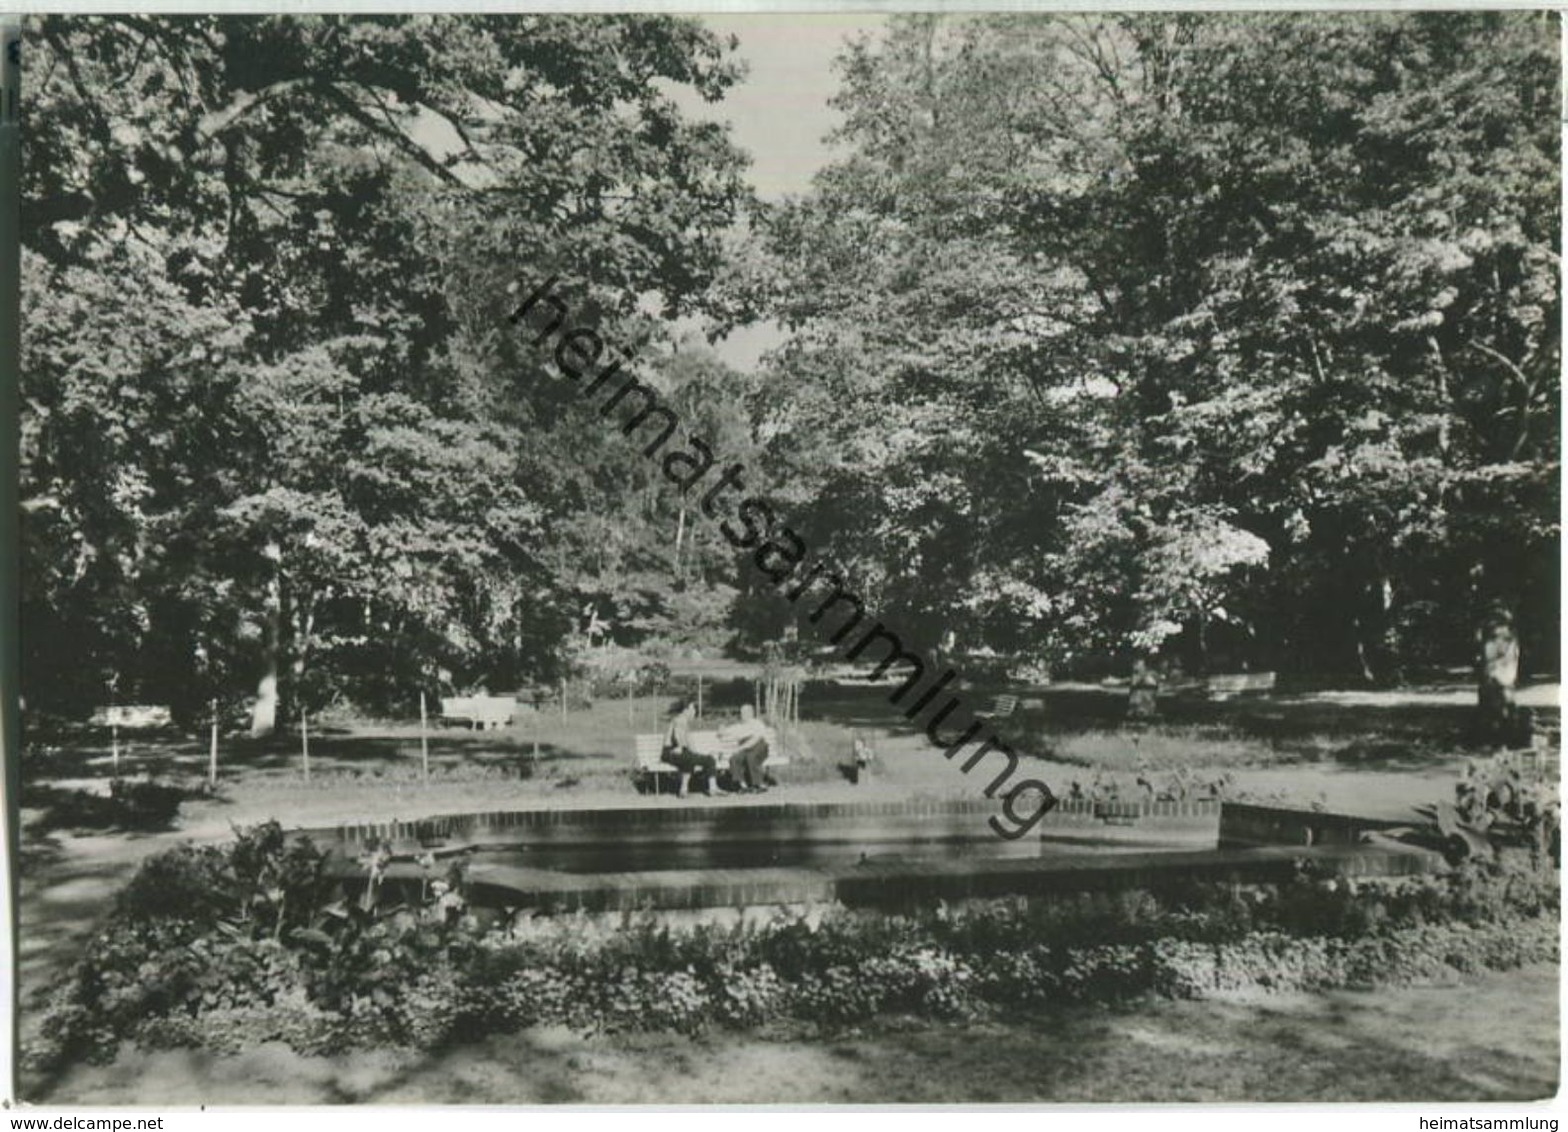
{"type": "Point", "coordinates": [130, 806]}
{"type": "Point", "coordinates": [89, 753]}
{"type": "Point", "coordinates": [1384, 730]}
{"type": "Point", "coordinates": [1389, 730]}
{"type": "Point", "coordinates": [1422, 1044]}
{"type": "Point", "coordinates": [38, 850]}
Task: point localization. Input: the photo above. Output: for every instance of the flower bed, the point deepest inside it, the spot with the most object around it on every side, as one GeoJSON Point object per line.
{"type": "Point", "coordinates": [225, 948]}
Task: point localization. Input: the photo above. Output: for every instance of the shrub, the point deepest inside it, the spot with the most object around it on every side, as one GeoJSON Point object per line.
{"type": "Point", "coordinates": [247, 943]}
{"type": "Point", "coordinates": [527, 997]}
{"type": "Point", "coordinates": [653, 1000]}
{"type": "Point", "coordinates": [1021, 980]}
{"type": "Point", "coordinates": [186, 882]}
{"type": "Point", "coordinates": [145, 805]}
{"type": "Point", "coordinates": [262, 881]}
{"type": "Point", "coordinates": [292, 1020]}
{"type": "Point", "coordinates": [748, 998]}
{"type": "Point", "coordinates": [131, 804]}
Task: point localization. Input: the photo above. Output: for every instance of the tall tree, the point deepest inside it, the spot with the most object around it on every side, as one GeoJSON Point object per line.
{"type": "Point", "coordinates": [321, 217]}
{"type": "Point", "coordinates": [1162, 323]}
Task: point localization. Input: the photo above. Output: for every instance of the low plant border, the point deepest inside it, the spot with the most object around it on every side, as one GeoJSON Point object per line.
{"type": "Point", "coordinates": [226, 947]}
{"type": "Point", "coordinates": [441, 1008]}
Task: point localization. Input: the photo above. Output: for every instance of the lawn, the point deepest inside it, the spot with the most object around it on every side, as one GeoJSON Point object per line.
{"type": "Point", "coordinates": [549, 754]}
{"type": "Point", "coordinates": [1378, 752]}
{"type": "Point", "coordinates": [1489, 1038]}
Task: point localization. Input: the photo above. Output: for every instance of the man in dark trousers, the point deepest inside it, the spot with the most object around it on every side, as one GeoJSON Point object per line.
{"type": "Point", "coordinates": [678, 753]}
{"type": "Point", "coordinates": [750, 737]}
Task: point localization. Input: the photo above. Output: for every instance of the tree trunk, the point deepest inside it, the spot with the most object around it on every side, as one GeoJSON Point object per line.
{"type": "Point", "coordinates": [264, 716]}
{"type": "Point", "coordinates": [1375, 638]}
{"type": "Point", "coordinates": [1361, 654]}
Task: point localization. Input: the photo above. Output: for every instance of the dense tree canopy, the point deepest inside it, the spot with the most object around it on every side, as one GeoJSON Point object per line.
{"type": "Point", "coordinates": [1223, 333]}
{"type": "Point", "coordinates": [1233, 338]}
{"type": "Point", "coordinates": [270, 415]}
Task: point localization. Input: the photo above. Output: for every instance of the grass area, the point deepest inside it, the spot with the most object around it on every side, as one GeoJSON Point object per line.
{"type": "Point", "coordinates": [1374, 751]}
{"type": "Point", "coordinates": [1163, 748]}
{"type": "Point", "coordinates": [590, 747]}
{"type": "Point", "coordinates": [1395, 748]}
{"type": "Point", "coordinates": [1488, 1038]}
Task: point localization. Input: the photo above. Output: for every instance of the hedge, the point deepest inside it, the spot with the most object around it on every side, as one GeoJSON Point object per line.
{"type": "Point", "coordinates": [221, 949]}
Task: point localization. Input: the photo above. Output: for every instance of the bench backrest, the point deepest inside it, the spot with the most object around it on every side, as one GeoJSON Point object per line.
{"type": "Point", "coordinates": [479, 707]}
{"type": "Point", "coordinates": [132, 716]}
{"type": "Point", "coordinates": [494, 706]}
{"type": "Point", "coordinates": [648, 748]}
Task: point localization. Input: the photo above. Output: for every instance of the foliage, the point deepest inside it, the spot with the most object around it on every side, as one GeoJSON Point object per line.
{"type": "Point", "coordinates": [271, 426]}
{"type": "Point", "coordinates": [131, 805]}
{"type": "Point", "coordinates": [205, 940]}
{"type": "Point", "coordinates": [1231, 335]}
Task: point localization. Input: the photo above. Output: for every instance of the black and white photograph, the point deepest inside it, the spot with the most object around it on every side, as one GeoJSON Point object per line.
{"type": "Point", "coordinates": [658, 558]}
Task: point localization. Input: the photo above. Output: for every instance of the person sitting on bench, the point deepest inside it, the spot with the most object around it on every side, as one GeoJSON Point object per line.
{"type": "Point", "coordinates": [863, 753]}
{"type": "Point", "coordinates": [678, 753]}
{"type": "Point", "coordinates": [750, 735]}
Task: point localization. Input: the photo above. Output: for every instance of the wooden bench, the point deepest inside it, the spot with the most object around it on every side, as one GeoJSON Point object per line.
{"type": "Point", "coordinates": [648, 751]}
{"type": "Point", "coordinates": [132, 717]}
{"type": "Point", "coordinates": [1002, 707]}
{"type": "Point", "coordinates": [1239, 684]}
{"type": "Point", "coordinates": [482, 712]}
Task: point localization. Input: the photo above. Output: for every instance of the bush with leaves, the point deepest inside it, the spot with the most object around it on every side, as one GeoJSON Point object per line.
{"type": "Point", "coordinates": [254, 941]}
{"type": "Point", "coordinates": [131, 804]}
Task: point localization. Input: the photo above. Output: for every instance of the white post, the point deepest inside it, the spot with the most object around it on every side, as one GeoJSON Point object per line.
{"type": "Point", "coordinates": [212, 748]}
{"type": "Point", "coordinates": [304, 742]}
{"type": "Point", "coordinates": [424, 737]}
{"type": "Point", "coordinates": [699, 695]}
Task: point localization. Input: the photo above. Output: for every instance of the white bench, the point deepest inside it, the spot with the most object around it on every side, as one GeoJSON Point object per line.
{"type": "Point", "coordinates": [1239, 683]}
{"type": "Point", "coordinates": [1002, 707]}
{"type": "Point", "coordinates": [648, 751]}
{"type": "Point", "coordinates": [483, 712]}
{"type": "Point", "coordinates": [131, 717]}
